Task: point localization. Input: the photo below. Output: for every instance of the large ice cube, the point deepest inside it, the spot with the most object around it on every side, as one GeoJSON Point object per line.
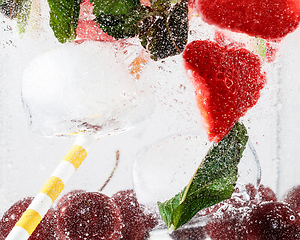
{"type": "Point", "coordinates": [164, 168]}
{"type": "Point", "coordinates": [85, 87]}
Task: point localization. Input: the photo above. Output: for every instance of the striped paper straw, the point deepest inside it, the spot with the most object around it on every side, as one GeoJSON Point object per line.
{"type": "Point", "coordinates": [52, 188]}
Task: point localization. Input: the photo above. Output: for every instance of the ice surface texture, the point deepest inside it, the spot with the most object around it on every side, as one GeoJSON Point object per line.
{"type": "Point", "coordinates": [164, 168]}
{"type": "Point", "coordinates": [85, 87]}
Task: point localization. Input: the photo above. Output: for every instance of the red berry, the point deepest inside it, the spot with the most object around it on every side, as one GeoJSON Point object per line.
{"type": "Point", "coordinates": [292, 197]}
{"type": "Point", "coordinates": [272, 49]}
{"type": "Point", "coordinates": [227, 221]}
{"type": "Point", "coordinates": [137, 223]}
{"type": "Point", "coordinates": [272, 221]}
{"type": "Point", "coordinates": [89, 215]}
{"type": "Point", "coordinates": [67, 196]}
{"type": "Point", "coordinates": [263, 194]}
{"type": "Point", "coordinates": [227, 83]}
{"type": "Point", "coordinates": [268, 19]}
{"type": "Point", "coordinates": [266, 194]}
{"type": "Point", "coordinates": [45, 230]}
{"type": "Point", "coordinates": [193, 233]}
{"type": "Point", "coordinates": [251, 191]}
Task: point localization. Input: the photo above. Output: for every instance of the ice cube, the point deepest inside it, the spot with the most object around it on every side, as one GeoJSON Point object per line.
{"type": "Point", "coordinates": [84, 87]}
{"type": "Point", "coordinates": [164, 168]}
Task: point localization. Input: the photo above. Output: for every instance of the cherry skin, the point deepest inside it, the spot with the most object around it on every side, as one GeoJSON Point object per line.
{"type": "Point", "coordinates": [265, 194]}
{"type": "Point", "coordinates": [67, 196]}
{"type": "Point", "coordinates": [137, 223]}
{"type": "Point", "coordinates": [292, 197]}
{"type": "Point", "coordinates": [227, 222]}
{"type": "Point", "coordinates": [272, 221]}
{"type": "Point", "coordinates": [45, 230]}
{"type": "Point", "coordinates": [89, 215]}
{"type": "Point", "coordinates": [194, 233]}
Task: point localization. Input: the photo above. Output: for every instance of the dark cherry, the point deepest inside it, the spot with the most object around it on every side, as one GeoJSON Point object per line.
{"type": "Point", "coordinates": [89, 216]}
{"type": "Point", "coordinates": [227, 222]}
{"type": "Point", "coordinates": [292, 197]}
{"type": "Point", "coordinates": [137, 222]}
{"type": "Point", "coordinates": [193, 233]}
{"type": "Point", "coordinates": [45, 230]}
{"type": "Point", "coordinates": [272, 221]}
{"type": "Point", "coordinates": [66, 196]}
{"type": "Point", "coordinates": [251, 191]}
{"type": "Point", "coordinates": [266, 194]}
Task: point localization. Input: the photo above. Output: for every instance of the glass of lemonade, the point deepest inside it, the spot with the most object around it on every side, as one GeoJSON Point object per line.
{"type": "Point", "coordinates": [154, 140]}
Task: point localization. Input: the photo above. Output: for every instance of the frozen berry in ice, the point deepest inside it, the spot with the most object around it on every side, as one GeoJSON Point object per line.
{"type": "Point", "coordinates": [269, 19]}
{"type": "Point", "coordinates": [67, 196]}
{"type": "Point", "coordinates": [292, 197]}
{"type": "Point", "coordinates": [262, 194]}
{"type": "Point", "coordinates": [45, 230]}
{"type": "Point", "coordinates": [137, 223]}
{"type": "Point", "coordinates": [272, 221]}
{"type": "Point", "coordinates": [89, 215]}
{"type": "Point", "coordinates": [227, 222]}
{"type": "Point", "coordinates": [251, 191]}
{"type": "Point", "coordinates": [193, 233]}
{"type": "Point", "coordinates": [266, 194]}
{"type": "Point", "coordinates": [227, 83]}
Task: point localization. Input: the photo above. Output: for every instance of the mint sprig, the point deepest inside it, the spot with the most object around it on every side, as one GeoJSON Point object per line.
{"type": "Point", "coordinates": [114, 6]}
{"type": "Point", "coordinates": [13, 8]}
{"type": "Point", "coordinates": [213, 182]}
{"type": "Point", "coordinates": [64, 15]}
{"type": "Point", "coordinates": [17, 9]}
{"type": "Point", "coordinates": [162, 28]}
{"type": "Point", "coordinates": [123, 25]}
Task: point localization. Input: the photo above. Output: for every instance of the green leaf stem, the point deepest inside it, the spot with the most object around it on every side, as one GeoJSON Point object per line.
{"type": "Point", "coordinates": [213, 182]}
{"type": "Point", "coordinates": [162, 28]}
{"type": "Point", "coordinates": [114, 7]}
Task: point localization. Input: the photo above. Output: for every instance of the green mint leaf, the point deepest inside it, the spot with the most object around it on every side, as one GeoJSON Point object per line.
{"type": "Point", "coordinates": [23, 16]}
{"type": "Point", "coordinates": [163, 32]}
{"type": "Point", "coordinates": [114, 7]}
{"type": "Point", "coordinates": [123, 25]}
{"type": "Point", "coordinates": [64, 16]}
{"type": "Point", "coordinates": [11, 8]}
{"type": "Point", "coordinates": [213, 182]}
{"type": "Point", "coordinates": [160, 5]}
{"type": "Point", "coordinates": [167, 34]}
{"type": "Point", "coordinates": [17, 9]}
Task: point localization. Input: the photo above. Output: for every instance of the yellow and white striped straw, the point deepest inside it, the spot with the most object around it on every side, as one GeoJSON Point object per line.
{"type": "Point", "coordinates": [52, 188]}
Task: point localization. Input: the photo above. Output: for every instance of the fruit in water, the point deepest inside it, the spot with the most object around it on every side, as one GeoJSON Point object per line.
{"type": "Point", "coordinates": [87, 28]}
{"type": "Point", "coordinates": [227, 221]}
{"type": "Point", "coordinates": [268, 19]}
{"type": "Point", "coordinates": [89, 215]}
{"type": "Point", "coordinates": [272, 221]}
{"type": "Point", "coordinates": [263, 194]}
{"type": "Point", "coordinates": [227, 83]}
{"type": "Point", "coordinates": [266, 194]}
{"type": "Point", "coordinates": [193, 233]}
{"type": "Point", "coordinates": [137, 223]}
{"type": "Point", "coordinates": [45, 230]}
{"type": "Point", "coordinates": [67, 196]}
{"type": "Point", "coordinates": [292, 197]}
